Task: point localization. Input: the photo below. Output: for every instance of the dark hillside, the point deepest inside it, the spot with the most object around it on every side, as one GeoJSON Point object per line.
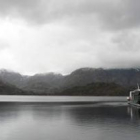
{"type": "Point", "coordinates": [97, 89]}
{"type": "Point", "coordinates": [7, 89]}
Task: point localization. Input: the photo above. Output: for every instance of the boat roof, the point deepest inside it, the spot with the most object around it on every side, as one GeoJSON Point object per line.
{"type": "Point", "coordinates": [136, 90]}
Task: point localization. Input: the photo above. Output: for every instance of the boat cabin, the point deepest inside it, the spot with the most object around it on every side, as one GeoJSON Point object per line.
{"type": "Point", "coordinates": [134, 96]}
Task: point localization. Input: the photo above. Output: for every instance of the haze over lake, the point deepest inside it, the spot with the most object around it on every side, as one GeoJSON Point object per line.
{"type": "Point", "coordinates": [101, 120]}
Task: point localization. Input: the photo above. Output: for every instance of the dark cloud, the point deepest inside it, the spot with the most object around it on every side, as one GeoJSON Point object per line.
{"type": "Point", "coordinates": [116, 14]}
{"type": "Point", "coordinates": [125, 15]}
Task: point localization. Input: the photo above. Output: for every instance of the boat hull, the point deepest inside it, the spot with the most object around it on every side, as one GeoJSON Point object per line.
{"type": "Point", "coordinates": [134, 104]}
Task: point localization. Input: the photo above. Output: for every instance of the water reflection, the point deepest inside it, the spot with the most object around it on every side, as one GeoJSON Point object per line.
{"type": "Point", "coordinates": [134, 112]}
{"type": "Point", "coordinates": [102, 114]}
{"type": "Point", "coordinates": [24, 121]}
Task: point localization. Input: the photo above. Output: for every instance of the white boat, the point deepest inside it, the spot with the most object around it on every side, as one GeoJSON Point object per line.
{"type": "Point", "coordinates": [134, 97]}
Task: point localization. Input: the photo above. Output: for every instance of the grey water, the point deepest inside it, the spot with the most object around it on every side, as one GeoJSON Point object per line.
{"type": "Point", "coordinates": [33, 118]}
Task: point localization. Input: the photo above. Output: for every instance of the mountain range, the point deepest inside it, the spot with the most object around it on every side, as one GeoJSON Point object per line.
{"type": "Point", "coordinates": [80, 82]}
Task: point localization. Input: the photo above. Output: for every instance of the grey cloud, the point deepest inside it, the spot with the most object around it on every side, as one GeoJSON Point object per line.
{"type": "Point", "coordinates": [42, 10]}
{"type": "Point", "coordinates": [6, 6]}
{"type": "Point", "coordinates": [127, 41]}
{"type": "Point", "coordinates": [79, 42]}
{"type": "Point", "coordinates": [124, 16]}
{"type": "Point", "coordinates": [116, 14]}
{"type": "Point", "coordinates": [114, 58]}
{"type": "Point", "coordinates": [28, 9]}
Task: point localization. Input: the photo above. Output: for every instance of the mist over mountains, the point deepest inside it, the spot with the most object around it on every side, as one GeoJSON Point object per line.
{"type": "Point", "coordinates": [83, 81]}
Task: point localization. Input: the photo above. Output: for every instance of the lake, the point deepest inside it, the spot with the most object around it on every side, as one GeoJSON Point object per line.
{"type": "Point", "coordinates": [68, 118]}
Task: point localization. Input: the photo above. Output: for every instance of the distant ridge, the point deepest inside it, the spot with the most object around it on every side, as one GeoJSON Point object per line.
{"type": "Point", "coordinates": [54, 84]}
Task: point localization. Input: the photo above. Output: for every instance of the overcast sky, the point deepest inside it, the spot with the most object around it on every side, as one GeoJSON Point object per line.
{"type": "Point", "coordinates": [40, 36]}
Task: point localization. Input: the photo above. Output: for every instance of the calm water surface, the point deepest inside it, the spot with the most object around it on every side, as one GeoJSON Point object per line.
{"type": "Point", "coordinates": [101, 120]}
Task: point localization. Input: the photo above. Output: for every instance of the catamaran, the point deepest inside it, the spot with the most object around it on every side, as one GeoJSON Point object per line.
{"type": "Point", "coordinates": [134, 97]}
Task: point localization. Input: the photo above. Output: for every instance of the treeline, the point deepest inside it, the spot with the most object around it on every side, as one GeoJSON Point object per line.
{"type": "Point", "coordinates": [94, 89]}
{"type": "Point", "coordinates": [97, 89]}
{"type": "Point", "coordinates": [8, 89]}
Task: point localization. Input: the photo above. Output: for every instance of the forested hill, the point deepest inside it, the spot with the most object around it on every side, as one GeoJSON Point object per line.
{"type": "Point", "coordinates": [7, 89]}
{"type": "Point", "coordinates": [97, 89]}
{"type": "Point", "coordinates": [53, 84]}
